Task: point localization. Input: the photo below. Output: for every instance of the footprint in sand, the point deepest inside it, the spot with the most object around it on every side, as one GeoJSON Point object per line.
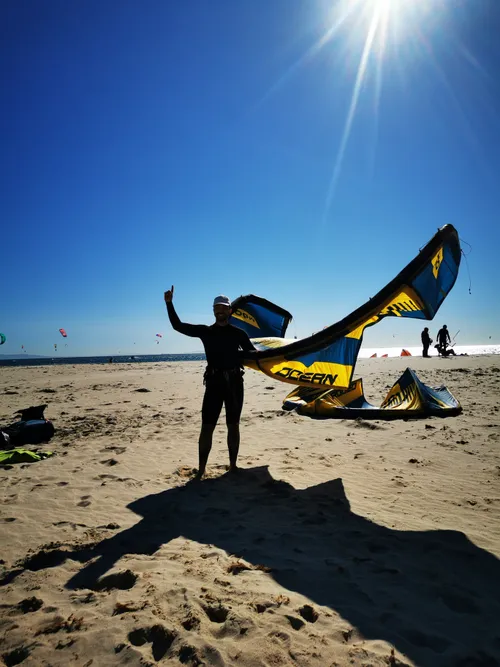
{"type": "Point", "coordinates": [16, 656]}
{"type": "Point", "coordinates": [109, 462]}
{"type": "Point", "coordinates": [127, 607]}
{"type": "Point", "coordinates": [122, 580]}
{"type": "Point", "coordinates": [29, 605]}
{"type": "Point", "coordinates": [160, 637]}
{"type": "Point", "coordinates": [24, 606]}
{"type": "Point", "coordinates": [191, 623]}
{"type": "Point", "coordinates": [308, 613]}
{"type": "Point", "coordinates": [115, 449]}
{"type": "Point", "coordinates": [295, 622]}
{"type": "Point", "coordinates": [85, 501]}
{"type": "Point", "coordinates": [208, 655]}
{"type": "Point", "coordinates": [216, 613]}
{"type": "Point", "coordinates": [86, 598]}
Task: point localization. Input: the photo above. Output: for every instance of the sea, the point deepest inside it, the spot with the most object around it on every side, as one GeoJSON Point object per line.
{"type": "Point", "coordinates": [365, 353]}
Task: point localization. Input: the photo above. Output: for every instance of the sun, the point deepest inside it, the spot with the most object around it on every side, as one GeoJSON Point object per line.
{"type": "Point", "coordinates": [377, 32]}
{"type": "Point", "coordinates": [375, 25]}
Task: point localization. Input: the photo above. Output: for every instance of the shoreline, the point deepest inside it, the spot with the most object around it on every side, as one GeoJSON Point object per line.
{"type": "Point", "coordinates": [366, 353]}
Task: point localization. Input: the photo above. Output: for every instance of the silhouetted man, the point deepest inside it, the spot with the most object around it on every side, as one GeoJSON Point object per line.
{"type": "Point", "coordinates": [443, 338]}
{"type": "Point", "coordinates": [426, 341]}
{"type": "Point", "coordinates": [223, 377]}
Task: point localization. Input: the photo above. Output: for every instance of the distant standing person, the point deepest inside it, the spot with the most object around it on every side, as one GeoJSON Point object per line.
{"type": "Point", "coordinates": [223, 377]}
{"type": "Point", "coordinates": [443, 338]}
{"type": "Point", "coordinates": [426, 341]}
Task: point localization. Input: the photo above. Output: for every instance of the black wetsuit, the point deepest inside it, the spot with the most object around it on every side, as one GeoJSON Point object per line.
{"type": "Point", "coordinates": [426, 341]}
{"type": "Point", "coordinates": [443, 338]}
{"type": "Point", "coordinates": [224, 372]}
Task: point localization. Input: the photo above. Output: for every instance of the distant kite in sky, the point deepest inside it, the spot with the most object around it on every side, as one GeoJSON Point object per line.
{"type": "Point", "coordinates": [3, 338]}
{"type": "Point", "coordinates": [63, 333]}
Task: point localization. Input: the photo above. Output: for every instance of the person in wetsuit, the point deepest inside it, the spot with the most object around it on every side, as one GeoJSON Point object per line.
{"type": "Point", "coordinates": [443, 338]}
{"type": "Point", "coordinates": [426, 341]}
{"type": "Point", "coordinates": [223, 377]}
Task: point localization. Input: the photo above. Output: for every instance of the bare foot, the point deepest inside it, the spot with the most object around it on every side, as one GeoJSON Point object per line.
{"type": "Point", "coordinates": [199, 476]}
{"type": "Point", "coordinates": [233, 469]}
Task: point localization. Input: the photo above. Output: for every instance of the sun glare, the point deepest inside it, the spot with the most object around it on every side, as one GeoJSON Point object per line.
{"type": "Point", "coordinates": [376, 24]}
{"type": "Point", "coordinates": [375, 32]}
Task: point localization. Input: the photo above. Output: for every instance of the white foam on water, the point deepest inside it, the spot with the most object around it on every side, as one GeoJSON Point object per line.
{"type": "Point", "coordinates": [416, 351]}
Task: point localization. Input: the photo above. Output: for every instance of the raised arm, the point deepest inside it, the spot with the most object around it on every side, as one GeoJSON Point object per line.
{"type": "Point", "coordinates": [193, 330]}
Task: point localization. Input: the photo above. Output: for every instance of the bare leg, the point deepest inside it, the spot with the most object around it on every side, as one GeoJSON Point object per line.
{"type": "Point", "coordinates": [233, 444]}
{"type": "Point", "coordinates": [204, 447]}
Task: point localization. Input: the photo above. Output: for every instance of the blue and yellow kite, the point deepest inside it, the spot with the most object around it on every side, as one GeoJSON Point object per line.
{"type": "Point", "coordinates": [328, 357]}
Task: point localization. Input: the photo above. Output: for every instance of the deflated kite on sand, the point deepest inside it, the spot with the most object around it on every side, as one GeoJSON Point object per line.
{"type": "Point", "coordinates": [408, 398]}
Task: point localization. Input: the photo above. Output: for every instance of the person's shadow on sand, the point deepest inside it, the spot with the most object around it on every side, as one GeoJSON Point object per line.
{"type": "Point", "coordinates": [434, 595]}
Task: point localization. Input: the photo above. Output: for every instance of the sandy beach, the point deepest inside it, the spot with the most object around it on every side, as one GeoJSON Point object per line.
{"type": "Point", "coordinates": [339, 542]}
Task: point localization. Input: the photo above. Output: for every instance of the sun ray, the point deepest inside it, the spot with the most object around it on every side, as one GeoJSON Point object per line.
{"type": "Point", "coordinates": [370, 37]}
{"type": "Point", "coordinates": [382, 39]}
{"type": "Point", "coordinates": [307, 56]}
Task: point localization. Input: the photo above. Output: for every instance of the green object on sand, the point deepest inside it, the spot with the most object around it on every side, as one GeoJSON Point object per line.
{"type": "Point", "coordinates": [22, 456]}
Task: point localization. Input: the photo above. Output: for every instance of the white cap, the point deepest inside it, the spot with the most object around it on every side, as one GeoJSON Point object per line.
{"type": "Point", "coordinates": [222, 300]}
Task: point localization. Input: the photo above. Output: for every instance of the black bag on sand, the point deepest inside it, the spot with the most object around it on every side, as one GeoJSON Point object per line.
{"type": "Point", "coordinates": [34, 412]}
{"type": "Point", "coordinates": [31, 432]}
{"type": "Point", "coordinates": [31, 429]}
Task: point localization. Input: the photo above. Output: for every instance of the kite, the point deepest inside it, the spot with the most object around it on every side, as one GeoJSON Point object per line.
{"type": "Point", "coordinates": [259, 317]}
{"type": "Point", "coordinates": [408, 398]}
{"type": "Point", "coordinates": [3, 338]}
{"type": "Point", "coordinates": [63, 333]}
{"type": "Point", "coordinates": [327, 358]}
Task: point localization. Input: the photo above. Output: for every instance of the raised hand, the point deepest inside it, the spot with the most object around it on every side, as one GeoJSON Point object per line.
{"type": "Point", "coordinates": [169, 295]}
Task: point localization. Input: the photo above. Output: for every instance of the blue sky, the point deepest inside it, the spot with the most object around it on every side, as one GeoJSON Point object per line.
{"type": "Point", "coordinates": [204, 144]}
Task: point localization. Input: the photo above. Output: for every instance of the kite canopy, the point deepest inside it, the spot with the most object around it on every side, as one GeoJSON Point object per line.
{"type": "Point", "coordinates": [408, 398]}
{"type": "Point", "coordinates": [3, 338]}
{"type": "Point", "coordinates": [259, 317]}
{"type": "Point", "coordinates": [327, 358]}
{"type": "Point", "coordinates": [63, 333]}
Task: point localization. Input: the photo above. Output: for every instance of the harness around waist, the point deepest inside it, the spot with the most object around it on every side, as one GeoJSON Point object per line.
{"type": "Point", "coordinates": [226, 374]}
